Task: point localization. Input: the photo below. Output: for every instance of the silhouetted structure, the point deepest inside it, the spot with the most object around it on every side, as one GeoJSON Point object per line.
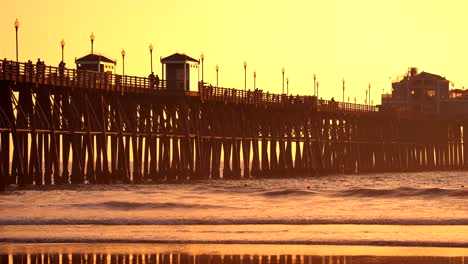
{"type": "Point", "coordinates": [95, 62]}
{"type": "Point", "coordinates": [425, 93]}
{"type": "Point", "coordinates": [121, 130]}
{"type": "Point", "coordinates": [178, 71]}
{"type": "Point", "coordinates": [459, 94]}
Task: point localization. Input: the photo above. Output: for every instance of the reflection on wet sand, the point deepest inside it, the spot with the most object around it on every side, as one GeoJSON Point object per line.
{"type": "Point", "coordinates": [182, 258]}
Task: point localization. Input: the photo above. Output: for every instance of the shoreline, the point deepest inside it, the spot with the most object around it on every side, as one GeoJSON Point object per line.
{"type": "Point", "coordinates": [271, 235]}
{"type": "Point", "coordinates": [230, 249]}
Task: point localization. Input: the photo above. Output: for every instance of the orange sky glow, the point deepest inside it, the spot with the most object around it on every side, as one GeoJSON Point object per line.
{"type": "Point", "coordinates": [361, 41]}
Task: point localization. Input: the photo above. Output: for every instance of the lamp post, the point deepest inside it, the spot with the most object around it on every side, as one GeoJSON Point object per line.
{"type": "Point", "coordinates": [366, 98]}
{"type": "Point", "coordinates": [348, 98]}
{"type": "Point", "coordinates": [287, 85]}
{"type": "Point", "coordinates": [217, 69]}
{"type": "Point", "coordinates": [343, 89]}
{"type": "Point", "coordinates": [255, 80]}
{"type": "Point", "coordinates": [315, 76]}
{"type": "Point", "coordinates": [151, 56]}
{"type": "Point", "coordinates": [91, 37]}
{"type": "Point", "coordinates": [282, 71]}
{"type": "Point", "coordinates": [369, 92]}
{"type": "Point", "coordinates": [123, 61]}
{"type": "Point", "coordinates": [245, 75]}
{"type": "Point", "coordinates": [16, 29]}
{"type": "Point", "coordinates": [354, 99]}
{"type": "Point", "coordinates": [202, 57]}
{"type": "Point", "coordinates": [317, 89]}
{"type": "Point", "coordinates": [62, 44]}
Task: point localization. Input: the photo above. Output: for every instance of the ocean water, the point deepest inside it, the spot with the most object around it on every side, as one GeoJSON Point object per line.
{"type": "Point", "coordinates": [393, 209]}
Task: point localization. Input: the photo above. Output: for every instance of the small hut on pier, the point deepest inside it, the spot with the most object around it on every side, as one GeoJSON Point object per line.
{"type": "Point", "coordinates": [96, 62]}
{"type": "Point", "coordinates": [178, 69]}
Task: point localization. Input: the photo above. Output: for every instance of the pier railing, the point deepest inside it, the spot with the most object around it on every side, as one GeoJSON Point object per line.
{"type": "Point", "coordinates": [105, 81]}
{"type": "Point", "coordinates": [81, 79]}
{"type": "Point", "coordinates": [258, 97]}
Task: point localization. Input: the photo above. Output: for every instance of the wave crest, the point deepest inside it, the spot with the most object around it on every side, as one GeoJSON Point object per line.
{"type": "Point", "coordinates": [221, 221]}
{"type": "Point", "coordinates": [288, 192]}
{"type": "Point", "coordinates": [125, 206]}
{"type": "Point", "coordinates": [403, 192]}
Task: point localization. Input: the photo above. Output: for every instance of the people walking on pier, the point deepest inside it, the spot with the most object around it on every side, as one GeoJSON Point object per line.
{"type": "Point", "coordinates": [29, 70]}
{"type": "Point", "coordinates": [157, 81]}
{"type": "Point", "coordinates": [43, 68]}
{"type": "Point", "coordinates": [61, 69]}
{"type": "Point", "coordinates": [151, 80]}
{"type": "Point", "coordinates": [38, 69]}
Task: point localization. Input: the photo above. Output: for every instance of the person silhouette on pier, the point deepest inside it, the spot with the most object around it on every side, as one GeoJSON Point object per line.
{"type": "Point", "coordinates": [43, 68]}
{"type": "Point", "coordinates": [38, 69]}
{"type": "Point", "coordinates": [29, 70]}
{"type": "Point", "coordinates": [157, 81]}
{"type": "Point", "coordinates": [4, 65]}
{"type": "Point", "coordinates": [151, 80]}
{"type": "Point", "coordinates": [61, 69]}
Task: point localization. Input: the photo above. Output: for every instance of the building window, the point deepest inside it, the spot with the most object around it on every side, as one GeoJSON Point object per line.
{"type": "Point", "coordinates": [430, 93]}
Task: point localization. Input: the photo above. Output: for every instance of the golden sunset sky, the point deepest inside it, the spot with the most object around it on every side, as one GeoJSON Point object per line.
{"type": "Point", "coordinates": [361, 40]}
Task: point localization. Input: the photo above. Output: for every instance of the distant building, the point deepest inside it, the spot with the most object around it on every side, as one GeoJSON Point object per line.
{"type": "Point", "coordinates": [178, 69]}
{"type": "Point", "coordinates": [420, 92]}
{"type": "Point", "coordinates": [425, 92]}
{"type": "Point", "coordinates": [459, 94]}
{"type": "Point", "coordinates": [95, 62]}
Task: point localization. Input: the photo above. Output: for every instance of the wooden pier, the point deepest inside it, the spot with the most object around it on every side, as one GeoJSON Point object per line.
{"type": "Point", "coordinates": [61, 126]}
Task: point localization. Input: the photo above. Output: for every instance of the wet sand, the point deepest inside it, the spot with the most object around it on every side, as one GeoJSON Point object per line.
{"type": "Point", "coordinates": [223, 254]}
{"type": "Point", "coordinates": [455, 236]}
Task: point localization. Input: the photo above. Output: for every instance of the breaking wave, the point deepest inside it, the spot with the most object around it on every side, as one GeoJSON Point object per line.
{"type": "Point", "coordinates": [126, 206]}
{"type": "Point", "coordinates": [290, 192]}
{"type": "Point", "coordinates": [252, 221]}
{"type": "Point", "coordinates": [404, 192]}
